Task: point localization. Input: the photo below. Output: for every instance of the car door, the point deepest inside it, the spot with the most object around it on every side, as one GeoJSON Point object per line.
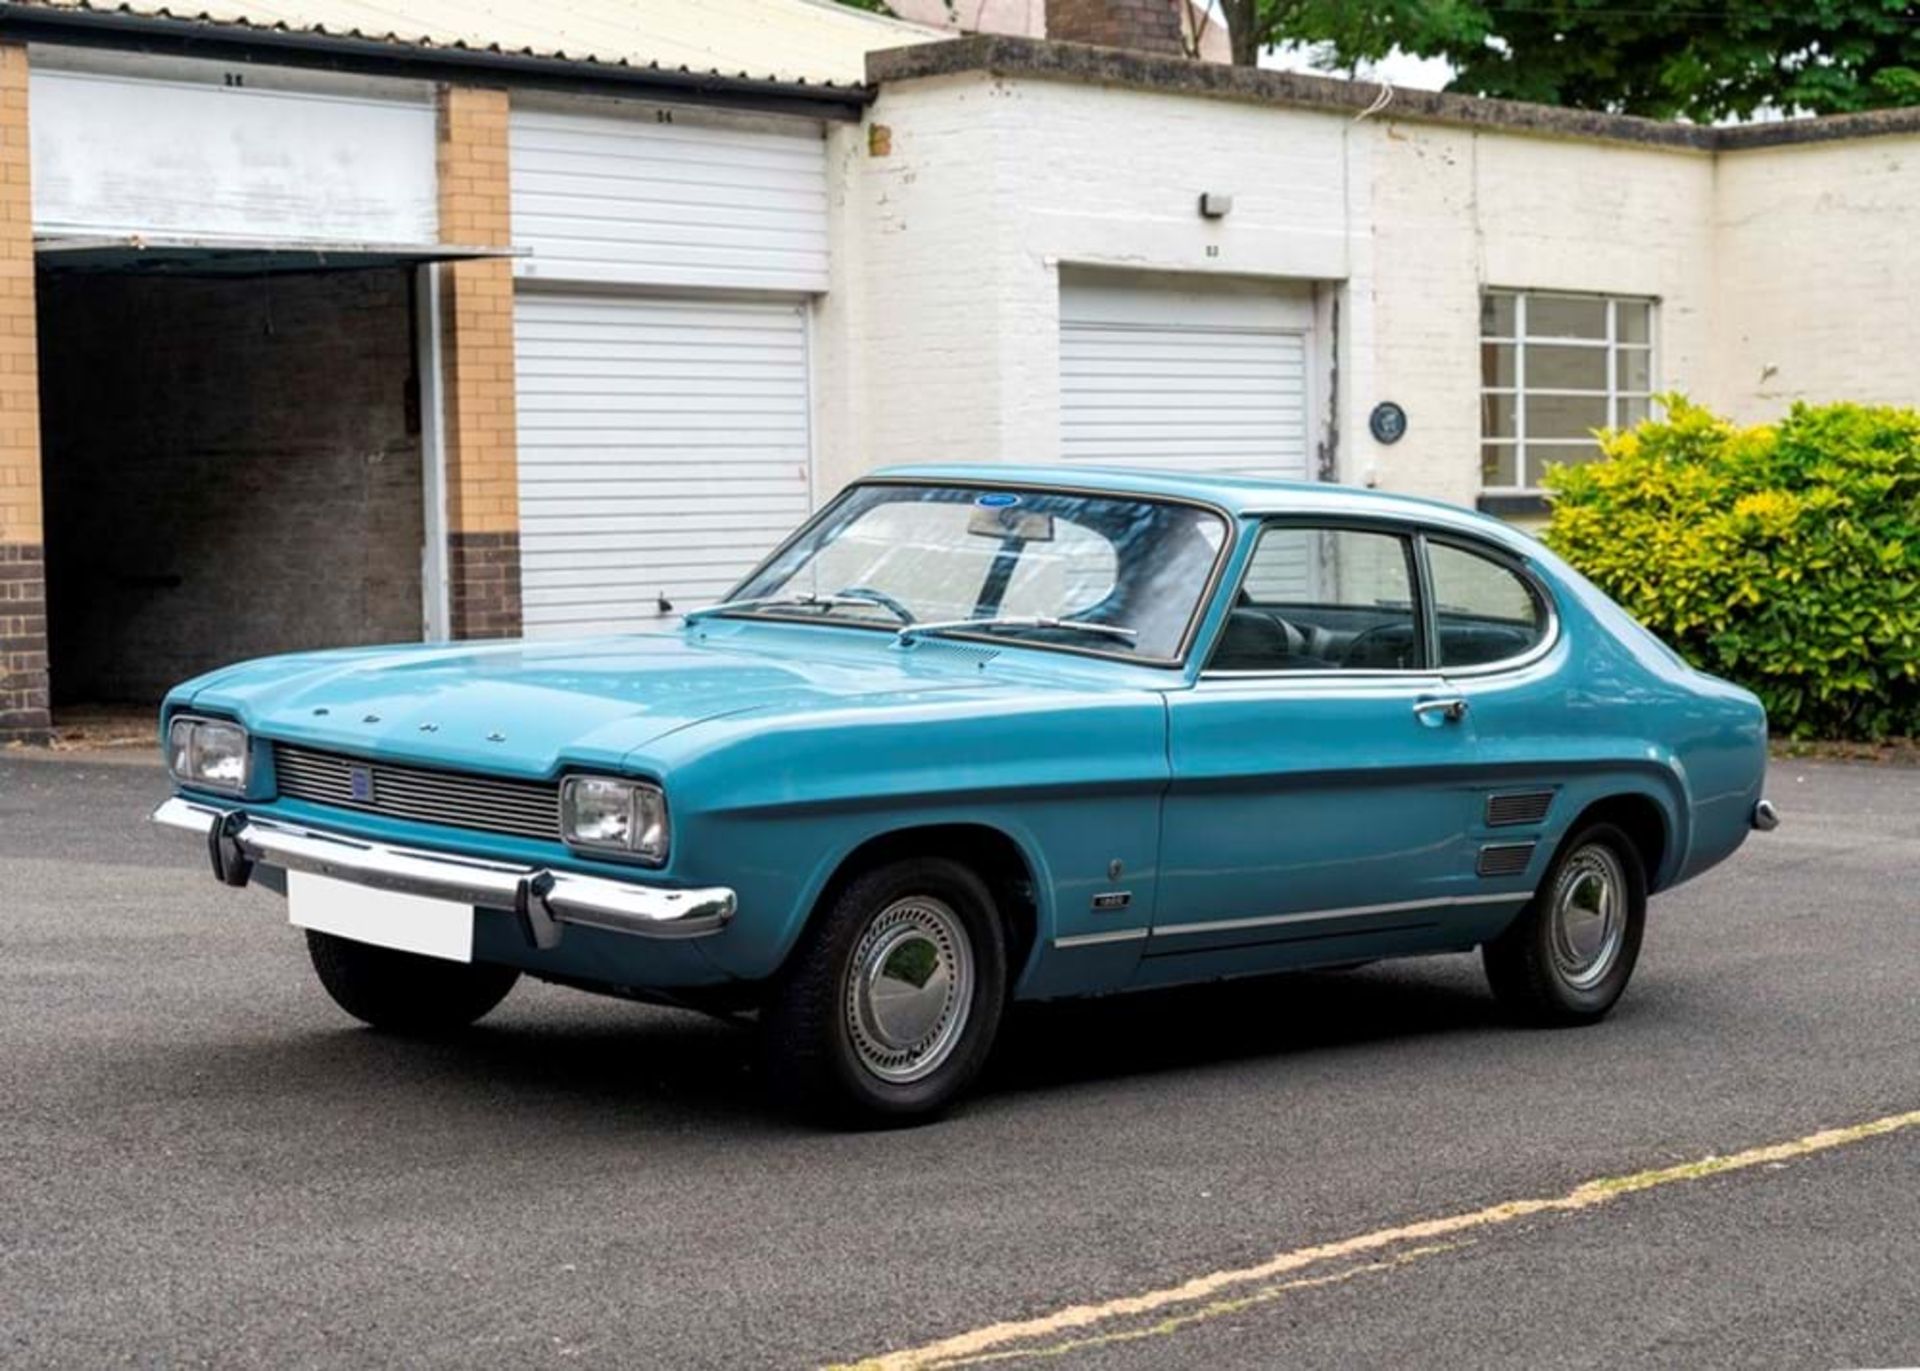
{"type": "Point", "coordinates": [1319, 797]}
{"type": "Point", "coordinates": [1494, 635]}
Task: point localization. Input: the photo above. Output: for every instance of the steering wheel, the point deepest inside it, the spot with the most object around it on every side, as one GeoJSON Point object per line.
{"type": "Point", "coordinates": [877, 597]}
{"type": "Point", "coordinates": [1358, 648]}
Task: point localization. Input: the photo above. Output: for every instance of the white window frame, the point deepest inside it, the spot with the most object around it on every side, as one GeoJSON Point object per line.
{"type": "Point", "coordinates": [1531, 455]}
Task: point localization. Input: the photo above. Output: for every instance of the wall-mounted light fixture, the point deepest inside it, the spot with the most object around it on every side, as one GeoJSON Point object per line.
{"type": "Point", "coordinates": [1214, 205]}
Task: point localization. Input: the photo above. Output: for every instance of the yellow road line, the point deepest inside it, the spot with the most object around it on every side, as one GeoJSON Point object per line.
{"type": "Point", "coordinates": [970, 1346]}
{"type": "Point", "coordinates": [1175, 1322]}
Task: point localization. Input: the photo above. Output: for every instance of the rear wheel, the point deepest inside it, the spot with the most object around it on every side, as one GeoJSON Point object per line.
{"type": "Point", "coordinates": [1570, 954]}
{"type": "Point", "coordinates": [892, 1000]}
{"type": "Point", "coordinates": [403, 992]}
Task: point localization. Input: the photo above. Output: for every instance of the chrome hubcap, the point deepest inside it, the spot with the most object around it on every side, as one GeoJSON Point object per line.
{"type": "Point", "coordinates": [1589, 916]}
{"type": "Point", "coordinates": [909, 989]}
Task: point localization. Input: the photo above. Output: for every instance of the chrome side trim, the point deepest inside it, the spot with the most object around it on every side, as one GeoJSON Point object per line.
{"type": "Point", "coordinates": [1118, 935]}
{"type": "Point", "coordinates": [544, 899]}
{"type": "Point", "coordinates": [1328, 676]}
{"type": "Point", "coordinates": [1349, 912]}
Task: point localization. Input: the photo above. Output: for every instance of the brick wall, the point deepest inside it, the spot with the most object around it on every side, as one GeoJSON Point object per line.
{"type": "Point", "coordinates": [1145, 25]}
{"type": "Point", "coordinates": [483, 493]}
{"type": "Point", "coordinates": [233, 469]}
{"type": "Point", "coordinates": [23, 624]}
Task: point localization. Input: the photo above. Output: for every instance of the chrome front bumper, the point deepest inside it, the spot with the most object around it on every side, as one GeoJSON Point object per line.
{"type": "Point", "coordinates": [544, 900]}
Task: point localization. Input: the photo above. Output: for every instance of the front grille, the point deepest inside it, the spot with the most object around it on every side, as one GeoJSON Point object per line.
{"type": "Point", "coordinates": [1518, 807]}
{"type": "Point", "coordinates": [527, 809]}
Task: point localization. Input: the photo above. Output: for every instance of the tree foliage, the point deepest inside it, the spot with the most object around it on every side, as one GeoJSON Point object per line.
{"type": "Point", "coordinates": [1785, 557]}
{"type": "Point", "coordinates": [1661, 58]}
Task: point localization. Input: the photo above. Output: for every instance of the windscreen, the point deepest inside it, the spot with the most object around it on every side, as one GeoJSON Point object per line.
{"type": "Point", "coordinates": [897, 555]}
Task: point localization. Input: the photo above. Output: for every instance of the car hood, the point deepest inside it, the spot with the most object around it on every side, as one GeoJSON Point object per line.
{"type": "Point", "coordinates": [522, 708]}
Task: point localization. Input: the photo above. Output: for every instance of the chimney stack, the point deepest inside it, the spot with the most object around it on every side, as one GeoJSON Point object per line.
{"type": "Point", "coordinates": [1143, 25]}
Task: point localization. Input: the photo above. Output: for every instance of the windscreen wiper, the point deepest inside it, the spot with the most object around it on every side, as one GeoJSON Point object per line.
{"type": "Point", "coordinates": [909, 632]}
{"type": "Point", "coordinates": [805, 600]}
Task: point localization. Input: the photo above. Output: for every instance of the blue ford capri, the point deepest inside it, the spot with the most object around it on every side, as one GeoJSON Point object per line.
{"type": "Point", "coordinates": [977, 734]}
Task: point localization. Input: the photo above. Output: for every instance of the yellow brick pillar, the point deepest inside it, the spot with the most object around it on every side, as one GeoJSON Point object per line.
{"type": "Point", "coordinates": [482, 473]}
{"type": "Point", "coordinates": [24, 703]}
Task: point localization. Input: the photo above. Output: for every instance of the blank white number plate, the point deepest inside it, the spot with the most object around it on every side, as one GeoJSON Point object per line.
{"type": "Point", "coordinates": [385, 918]}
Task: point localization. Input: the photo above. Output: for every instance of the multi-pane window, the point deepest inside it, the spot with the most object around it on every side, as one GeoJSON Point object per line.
{"type": "Point", "coordinates": [1552, 369]}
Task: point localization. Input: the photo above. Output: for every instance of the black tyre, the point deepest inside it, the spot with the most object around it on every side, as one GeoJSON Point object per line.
{"type": "Point", "coordinates": [1570, 954]}
{"type": "Point", "coordinates": [890, 1004]}
{"type": "Point", "coordinates": [403, 992]}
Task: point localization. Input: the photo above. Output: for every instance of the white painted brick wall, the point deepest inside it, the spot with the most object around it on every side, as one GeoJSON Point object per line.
{"type": "Point", "coordinates": [942, 324]}
{"type": "Point", "coordinates": [939, 338]}
{"type": "Point", "coordinates": [1818, 249]}
{"type": "Point", "coordinates": [910, 333]}
{"type": "Point", "coordinates": [1453, 210]}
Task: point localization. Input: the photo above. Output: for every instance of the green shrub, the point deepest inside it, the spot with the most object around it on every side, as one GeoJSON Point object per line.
{"type": "Point", "coordinates": [1785, 557]}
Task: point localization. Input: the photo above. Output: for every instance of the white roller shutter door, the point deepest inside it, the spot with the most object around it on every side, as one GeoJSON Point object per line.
{"type": "Point", "coordinates": [663, 451]}
{"type": "Point", "coordinates": [198, 156]}
{"type": "Point", "coordinates": [1184, 379]}
{"type": "Point", "coordinates": [704, 200]}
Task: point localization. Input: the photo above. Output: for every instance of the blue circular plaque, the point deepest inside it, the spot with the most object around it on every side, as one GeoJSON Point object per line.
{"type": "Point", "coordinates": [1388, 422]}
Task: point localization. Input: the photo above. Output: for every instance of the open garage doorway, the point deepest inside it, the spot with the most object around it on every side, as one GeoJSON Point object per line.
{"type": "Point", "coordinates": [232, 467]}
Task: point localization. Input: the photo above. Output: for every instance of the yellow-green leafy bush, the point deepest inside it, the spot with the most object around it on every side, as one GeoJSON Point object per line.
{"type": "Point", "coordinates": [1785, 557]}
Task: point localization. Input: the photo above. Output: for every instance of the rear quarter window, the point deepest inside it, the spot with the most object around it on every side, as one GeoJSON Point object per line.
{"type": "Point", "coordinates": [1485, 611]}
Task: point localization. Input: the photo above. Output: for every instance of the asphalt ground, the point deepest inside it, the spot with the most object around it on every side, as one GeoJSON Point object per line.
{"type": "Point", "coordinates": [203, 1162]}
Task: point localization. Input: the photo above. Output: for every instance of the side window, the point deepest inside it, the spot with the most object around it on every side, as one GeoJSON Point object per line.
{"type": "Point", "coordinates": [1323, 599]}
{"type": "Point", "coordinates": [1484, 611]}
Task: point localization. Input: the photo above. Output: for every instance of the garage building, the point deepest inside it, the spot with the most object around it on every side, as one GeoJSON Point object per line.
{"type": "Point", "coordinates": [314, 335]}
{"type": "Point", "coordinates": [315, 340]}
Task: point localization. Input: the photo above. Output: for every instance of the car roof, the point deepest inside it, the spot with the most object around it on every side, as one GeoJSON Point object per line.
{"type": "Point", "coordinates": [1239, 495]}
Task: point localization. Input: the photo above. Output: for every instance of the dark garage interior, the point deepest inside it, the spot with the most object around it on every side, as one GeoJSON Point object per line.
{"type": "Point", "coordinates": [232, 468]}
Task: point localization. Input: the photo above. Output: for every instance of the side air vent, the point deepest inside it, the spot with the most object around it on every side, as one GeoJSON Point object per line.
{"type": "Point", "coordinates": [1504, 859]}
{"type": "Point", "coordinates": [1518, 807]}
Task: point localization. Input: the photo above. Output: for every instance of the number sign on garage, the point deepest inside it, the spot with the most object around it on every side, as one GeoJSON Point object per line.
{"type": "Point", "coordinates": [663, 451]}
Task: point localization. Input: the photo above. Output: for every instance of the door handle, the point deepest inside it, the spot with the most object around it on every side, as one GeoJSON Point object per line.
{"type": "Point", "coordinates": [1452, 709]}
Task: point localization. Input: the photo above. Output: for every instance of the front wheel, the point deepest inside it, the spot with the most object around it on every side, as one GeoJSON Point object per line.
{"type": "Point", "coordinates": [892, 1000]}
{"type": "Point", "coordinates": [404, 992]}
{"type": "Point", "coordinates": [1569, 955]}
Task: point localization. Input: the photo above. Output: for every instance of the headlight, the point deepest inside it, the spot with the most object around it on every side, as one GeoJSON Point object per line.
{"type": "Point", "coordinates": [209, 754]}
{"type": "Point", "coordinates": [610, 815]}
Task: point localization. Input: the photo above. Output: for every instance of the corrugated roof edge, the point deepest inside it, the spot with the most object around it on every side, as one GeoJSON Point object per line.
{"type": "Point", "coordinates": [283, 45]}
{"type": "Point", "coordinates": [1040, 58]}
